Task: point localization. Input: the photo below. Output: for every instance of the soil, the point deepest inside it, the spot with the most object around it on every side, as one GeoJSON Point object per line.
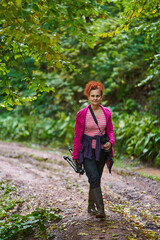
{"type": "Point", "coordinates": [45, 179]}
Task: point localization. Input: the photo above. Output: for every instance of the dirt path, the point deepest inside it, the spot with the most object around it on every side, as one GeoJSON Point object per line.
{"type": "Point", "coordinates": [45, 179]}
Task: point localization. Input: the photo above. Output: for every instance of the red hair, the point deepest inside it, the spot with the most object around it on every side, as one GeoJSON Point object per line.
{"type": "Point", "coordinates": [93, 85]}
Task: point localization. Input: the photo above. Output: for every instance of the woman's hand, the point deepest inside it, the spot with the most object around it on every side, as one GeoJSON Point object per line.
{"type": "Point", "coordinates": [107, 146]}
{"type": "Point", "coordinates": [76, 161]}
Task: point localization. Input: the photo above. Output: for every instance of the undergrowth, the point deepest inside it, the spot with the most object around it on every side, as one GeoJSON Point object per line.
{"type": "Point", "coordinates": [40, 223]}
{"type": "Point", "coordinates": [136, 135]}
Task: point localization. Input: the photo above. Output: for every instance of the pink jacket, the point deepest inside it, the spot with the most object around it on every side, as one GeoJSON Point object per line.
{"type": "Point", "coordinates": [80, 125]}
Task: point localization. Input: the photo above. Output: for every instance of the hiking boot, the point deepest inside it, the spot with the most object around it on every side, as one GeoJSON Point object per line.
{"type": "Point", "coordinates": [99, 202]}
{"type": "Point", "coordinates": [91, 203]}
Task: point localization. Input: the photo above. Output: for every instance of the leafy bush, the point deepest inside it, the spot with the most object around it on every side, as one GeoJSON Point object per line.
{"type": "Point", "coordinates": [138, 135]}
{"type": "Point", "coordinates": [14, 128]}
{"type": "Point", "coordinates": [37, 129]}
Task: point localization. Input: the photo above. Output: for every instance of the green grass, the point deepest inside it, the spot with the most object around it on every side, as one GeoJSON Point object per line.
{"type": "Point", "coordinates": [156, 178]}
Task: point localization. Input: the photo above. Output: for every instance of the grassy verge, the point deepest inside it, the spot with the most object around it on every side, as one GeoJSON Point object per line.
{"type": "Point", "coordinates": [156, 178]}
{"type": "Point", "coordinates": [132, 164]}
{"type": "Point", "coordinates": [40, 224]}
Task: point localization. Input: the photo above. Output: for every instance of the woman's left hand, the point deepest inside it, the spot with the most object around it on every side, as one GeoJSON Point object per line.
{"type": "Point", "coordinates": [107, 145]}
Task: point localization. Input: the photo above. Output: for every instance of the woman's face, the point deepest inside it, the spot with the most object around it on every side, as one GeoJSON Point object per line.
{"type": "Point", "coordinates": [95, 97]}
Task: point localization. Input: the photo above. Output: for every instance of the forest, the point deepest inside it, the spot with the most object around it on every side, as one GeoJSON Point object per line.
{"type": "Point", "coordinates": [50, 49]}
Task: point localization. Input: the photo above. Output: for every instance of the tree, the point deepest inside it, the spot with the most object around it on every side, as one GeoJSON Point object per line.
{"type": "Point", "coordinates": [31, 30]}
{"type": "Point", "coordinates": [32, 34]}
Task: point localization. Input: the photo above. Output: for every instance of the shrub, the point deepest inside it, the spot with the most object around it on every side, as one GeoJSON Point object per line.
{"type": "Point", "coordinates": [138, 135]}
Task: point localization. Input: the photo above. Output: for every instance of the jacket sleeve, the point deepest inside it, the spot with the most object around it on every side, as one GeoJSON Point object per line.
{"type": "Point", "coordinates": [110, 130]}
{"type": "Point", "coordinates": [78, 133]}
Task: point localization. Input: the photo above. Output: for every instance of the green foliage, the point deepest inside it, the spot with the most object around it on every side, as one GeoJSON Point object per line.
{"type": "Point", "coordinates": [18, 227]}
{"type": "Point", "coordinates": [65, 128]}
{"type": "Point", "coordinates": [14, 129]}
{"type": "Point", "coordinates": [115, 42]}
{"type": "Point", "coordinates": [122, 62]}
{"type": "Point", "coordinates": [7, 202]}
{"type": "Point", "coordinates": [68, 28]}
{"type": "Point", "coordinates": [138, 135]}
{"type": "Point", "coordinates": [15, 226]}
{"type": "Point", "coordinates": [33, 30]}
{"type": "Point", "coordinates": [38, 129]}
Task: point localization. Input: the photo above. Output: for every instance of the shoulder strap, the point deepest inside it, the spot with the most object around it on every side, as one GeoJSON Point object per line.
{"type": "Point", "coordinates": [93, 115]}
{"type": "Point", "coordinates": [95, 119]}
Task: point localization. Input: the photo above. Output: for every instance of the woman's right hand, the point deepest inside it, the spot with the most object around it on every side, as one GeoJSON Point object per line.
{"type": "Point", "coordinates": [76, 161]}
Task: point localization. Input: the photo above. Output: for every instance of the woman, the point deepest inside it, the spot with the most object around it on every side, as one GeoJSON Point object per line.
{"type": "Point", "coordinates": [88, 149]}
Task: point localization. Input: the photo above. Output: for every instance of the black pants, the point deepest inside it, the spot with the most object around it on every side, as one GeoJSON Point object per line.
{"type": "Point", "coordinates": [94, 169]}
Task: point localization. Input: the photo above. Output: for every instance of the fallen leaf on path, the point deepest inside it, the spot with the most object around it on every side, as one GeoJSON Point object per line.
{"type": "Point", "coordinates": [53, 227]}
{"type": "Point", "coordinates": [77, 223]}
{"type": "Point", "coordinates": [82, 234]}
{"type": "Point", "coordinates": [113, 227]}
{"type": "Point", "coordinates": [73, 223]}
{"type": "Point", "coordinates": [91, 224]}
{"type": "Point", "coordinates": [130, 238]}
{"type": "Point", "coordinates": [115, 235]}
{"type": "Point", "coordinates": [110, 222]}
